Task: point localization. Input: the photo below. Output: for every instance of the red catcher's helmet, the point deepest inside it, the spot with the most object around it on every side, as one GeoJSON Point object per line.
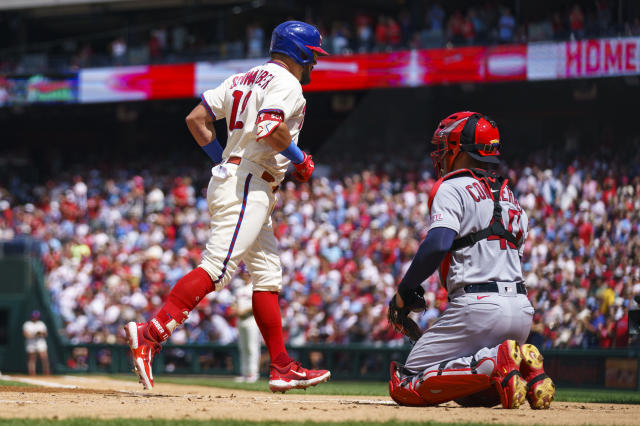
{"type": "Point", "coordinates": [471, 132]}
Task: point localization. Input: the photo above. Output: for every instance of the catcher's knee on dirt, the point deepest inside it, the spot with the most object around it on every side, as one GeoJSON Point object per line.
{"type": "Point", "coordinates": [441, 385]}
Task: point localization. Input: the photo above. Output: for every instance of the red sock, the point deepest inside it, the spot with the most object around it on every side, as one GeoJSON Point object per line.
{"type": "Point", "coordinates": [266, 311]}
{"type": "Point", "coordinates": [184, 296]}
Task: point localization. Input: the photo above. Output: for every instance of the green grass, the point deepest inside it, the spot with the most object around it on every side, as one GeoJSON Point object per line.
{"type": "Point", "coordinates": [608, 396]}
{"type": "Point", "coordinates": [160, 422]}
{"type": "Point", "coordinates": [12, 383]}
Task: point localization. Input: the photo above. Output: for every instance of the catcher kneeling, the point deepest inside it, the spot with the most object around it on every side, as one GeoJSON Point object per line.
{"type": "Point", "coordinates": [475, 352]}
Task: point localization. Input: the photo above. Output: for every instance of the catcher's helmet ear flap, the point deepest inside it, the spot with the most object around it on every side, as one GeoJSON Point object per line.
{"type": "Point", "coordinates": [298, 40]}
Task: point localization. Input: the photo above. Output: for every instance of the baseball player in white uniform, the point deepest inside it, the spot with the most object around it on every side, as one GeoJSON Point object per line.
{"type": "Point", "coordinates": [475, 352]}
{"type": "Point", "coordinates": [248, 331]}
{"type": "Point", "coordinates": [264, 108]}
{"type": "Point", "coordinates": [35, 334]}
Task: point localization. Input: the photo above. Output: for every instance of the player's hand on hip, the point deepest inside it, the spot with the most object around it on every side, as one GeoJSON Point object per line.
{"type": "Point", "coordinates": [304, 170]}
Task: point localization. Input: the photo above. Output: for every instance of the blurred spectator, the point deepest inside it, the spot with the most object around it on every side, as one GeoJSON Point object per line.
{"type": "Point", "coordinates": [455, 28]}
{"type": "Point", "coordinates": [35, 334]}
{"type": "Point", "coordinates": [364, 32]}
{"type": "Point", "coordinates": [381, 33]}
{"type": "Point", "coordinates": [255, 41]}
{"type": "Point", "coordinates": [118, 49]}
{"type": "Point", "coordinates": [161, 37]}
{"type": "Point", "coordinates": [340, 39]}
{"type": "Point", "coordinates": [179, 35]}
{"type": "Point", "coordinates": [633, 29]}
{"type": "Point", "coordinates": [506, 26]}
{"type": "Point", "coordinates": [576, 22]}
{"type": "Point", "coordinates": [82, 58]}
{"type": "Point", "coordinates": [435, 18]}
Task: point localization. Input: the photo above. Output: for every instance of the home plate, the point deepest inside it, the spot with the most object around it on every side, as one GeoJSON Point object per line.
{"type": "Point", "coordinates": [368, 402]}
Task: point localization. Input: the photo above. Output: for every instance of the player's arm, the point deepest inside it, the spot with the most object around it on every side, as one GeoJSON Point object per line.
{"type": "Point", "coordinates": [280, 138]}
{"type": "Point", "coordinates": [430, 254]}
{"type": "Point", "coordinates": [200, 124]}
{"type": "Point", "coordinates": [272, 130]}
{"type": "Point", "coordinates": [446, 215]}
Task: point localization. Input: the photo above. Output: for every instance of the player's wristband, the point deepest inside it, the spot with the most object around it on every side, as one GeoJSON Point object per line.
{"type": "Point", "coordinates": [293, 153]}
{"type": "Point", "coordinates": [213, 150]}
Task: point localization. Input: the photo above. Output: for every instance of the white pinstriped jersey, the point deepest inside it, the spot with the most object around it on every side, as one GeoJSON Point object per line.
{"type": "Point", "coordinates": [241, 97]}
{"type": "Point", "coordinates": [464, 205]}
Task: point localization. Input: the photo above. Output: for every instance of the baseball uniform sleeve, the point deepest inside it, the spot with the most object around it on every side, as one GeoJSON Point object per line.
{"type": "Point", "coordinates": [213, 100]}
{"type": "Point", "coordinates": [27, 330]}
{"type": "Point", "coordinates": [281, 97]}
{"type": "Point", "coordinates": [446, 209]}
{"type": "Point", "coordinates": [524, 222]}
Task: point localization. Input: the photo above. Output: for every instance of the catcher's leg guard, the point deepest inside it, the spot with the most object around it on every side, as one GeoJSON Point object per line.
{"type": "Point", "coordinates": [541, 389]}
{"type": "Point", "coordinates": [402, 391]}
{"type": "Point", "coordinates": [507, 378]}
{"type": "Point", "coordinates": [442, 385]}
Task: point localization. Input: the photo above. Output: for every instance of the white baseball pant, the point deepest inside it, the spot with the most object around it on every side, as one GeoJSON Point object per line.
{"type": "Point", "coordinates": [249, 344]}
{"type": "Point", "coordinates": [240, 205]}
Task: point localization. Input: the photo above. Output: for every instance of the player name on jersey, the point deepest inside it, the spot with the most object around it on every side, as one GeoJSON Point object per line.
{"type": "Point", "coordinates": [257, 77]}
{"type": "Point", "coordinates": [480, 192]}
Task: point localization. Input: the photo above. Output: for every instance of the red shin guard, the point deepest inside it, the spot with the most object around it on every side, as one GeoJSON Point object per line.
{"type": "Point", "coordinates": [266, 311]}
{"type": "Point", "coordinates": [184, 296]}
{"type": "Point", "coordinates": [439, 389]}
{"type": "Point", "coordinates": [438, 386]}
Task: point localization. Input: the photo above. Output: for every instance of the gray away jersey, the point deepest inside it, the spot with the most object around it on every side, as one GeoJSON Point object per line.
{"type": "Point", "coordinates": [463, 205]}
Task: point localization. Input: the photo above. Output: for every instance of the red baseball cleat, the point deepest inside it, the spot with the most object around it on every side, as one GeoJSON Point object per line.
{"type": "Point", "coordinates": [541, 389]}
{"type": "Point", "coordinates": [143, 347]}
{"type": "Point", "coordinates": [294, 376]}
{"type": "Point", "coordinates": [506, 376]}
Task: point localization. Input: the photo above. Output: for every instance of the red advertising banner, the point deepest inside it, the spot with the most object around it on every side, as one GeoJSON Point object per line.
{"type": "Point", "coordinates": [136, 83]}
{"type": "Point", "coordinates": [419, 68]}
{"type": "Point", "coordinates": [583, 58]}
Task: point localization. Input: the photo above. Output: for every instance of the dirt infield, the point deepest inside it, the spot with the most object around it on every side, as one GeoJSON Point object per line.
{"type": "Point", "coordinates": [102, 397]}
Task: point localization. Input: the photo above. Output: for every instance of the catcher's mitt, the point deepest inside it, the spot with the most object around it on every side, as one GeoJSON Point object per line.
{"type": "Point", "coordinates": [399, 317]}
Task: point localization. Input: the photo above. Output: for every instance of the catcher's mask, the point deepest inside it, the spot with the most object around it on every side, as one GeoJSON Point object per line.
{"type": "Point", "coordinates": [471, 132]}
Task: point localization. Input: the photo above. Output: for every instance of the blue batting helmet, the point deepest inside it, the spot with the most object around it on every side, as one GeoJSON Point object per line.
{"type": "Point", "coordinates": [298, 40]}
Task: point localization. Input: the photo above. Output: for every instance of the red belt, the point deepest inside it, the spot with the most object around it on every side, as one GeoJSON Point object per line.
{"type": "Point", "coordinates": [266, 176]}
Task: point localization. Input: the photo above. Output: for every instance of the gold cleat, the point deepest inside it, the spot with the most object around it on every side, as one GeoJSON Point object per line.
{"type": "Point", "coordinates": [541, 390]}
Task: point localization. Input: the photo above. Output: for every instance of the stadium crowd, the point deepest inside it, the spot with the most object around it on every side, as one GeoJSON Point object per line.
{"type": "Point", "coordinates": [115, 242]}
{"type": "Point", "coordinates": [416, 25]}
